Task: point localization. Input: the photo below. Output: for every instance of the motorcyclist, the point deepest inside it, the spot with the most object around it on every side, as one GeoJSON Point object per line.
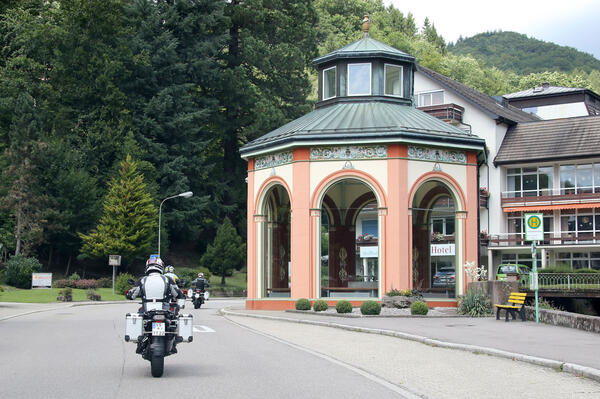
{"type": "Point", "coordinates": [156, 290]}
{"type": "Point", "coordinates": [201, 284]}
{"type": "Point", "coordinates": [170, 272]}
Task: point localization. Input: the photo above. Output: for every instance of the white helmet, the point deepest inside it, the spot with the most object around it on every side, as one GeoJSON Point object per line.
{"type": "Point", "coordinates": [154, 265]}
{"type": "Point", "coordinates": [200, 275]}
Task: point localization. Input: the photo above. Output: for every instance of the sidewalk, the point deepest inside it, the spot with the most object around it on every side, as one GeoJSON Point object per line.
{"type": "Point", "coordinates": [560, 344]}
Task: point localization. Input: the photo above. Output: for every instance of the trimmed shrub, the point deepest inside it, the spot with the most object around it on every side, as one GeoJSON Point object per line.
{"type": "Point", "coordinates": [64, 283]}
{"type": "Point", "coordinates": [419, 308]}
{"type": "Point", "coordinates": [93, 295]}
{"type": "Point", "coordinates": [370, 308]}
{"type": "Point", "coordinates": [65, 295]}
{"type": "Point", "coordinates": [320, 306]}
{"type": "Point", "coordinates": [86, 284]}
{"type": "Point", "coordinates": [104, 282]}
{"type": "Point", "coordinates": [343, 307]}
{"type": "Point", "coordinates": [121, 284]}
{"type": "Point", "coordinates": [474, 303]}
{"type": "Point", "coordinates": [394, 292]}
{"type": "Point", "coordinates": [19, 269]}
{"type": "Point", "coordinates": [302, 304]}
{"type": "Point", "coordinates": [74, 276]}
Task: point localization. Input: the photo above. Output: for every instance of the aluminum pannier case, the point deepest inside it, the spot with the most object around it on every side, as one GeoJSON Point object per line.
{"type": "Point", "coordinates": [134, 326]}
{"type": "Point", "coordinates": [185, 328]}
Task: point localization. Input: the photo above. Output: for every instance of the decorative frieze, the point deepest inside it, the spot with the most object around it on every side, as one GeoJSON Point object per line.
{"type": "Point", "coordinates": [272, 160]}
{"type": "Point", "coordinates": [436, 155]}
{"type": "Point", "coordinates": [348, 152]}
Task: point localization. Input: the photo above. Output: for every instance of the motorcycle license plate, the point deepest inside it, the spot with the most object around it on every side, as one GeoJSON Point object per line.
{"type": "Point", "coordinates": [158, 329]}
{"type": "Point", "coordinates": [197, 295]}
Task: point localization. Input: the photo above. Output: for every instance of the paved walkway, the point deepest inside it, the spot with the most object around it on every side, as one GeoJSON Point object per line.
{"type": "Point", "coordinates": [561, 344]}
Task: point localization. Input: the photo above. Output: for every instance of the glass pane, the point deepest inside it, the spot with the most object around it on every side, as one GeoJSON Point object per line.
{"type": "Point", "coordinates": [584, 179]}
{"type": "Point", "coordinates": [567, 179]}
{"type": "Point", "coordinates": [437, 97]}
{"type": "Point", "coordinates": [393, 80]}
{"type": "Point", "coordinates": [359, 79]}
{"type": "Point", "coordinates": [450, 226]}
{"type": "Point", "coordinates": [546, 180]}
{"type": "Point", "coordinates": [597, 177]}
{"type": "Point", "coordinates": [514, 186]}
{"type": "Point", "coordinates": [437, 226]}
{"type": "Point", "coordinates": [329, 83]}
{"type": "Point", "coordinates": [585, 223]}
{"type": "Point", "coordinates": [516, 171]}
{"type": "Point", "coordinates": [529, 185]}
{"type": "Point", "coordinates": [567, 224]}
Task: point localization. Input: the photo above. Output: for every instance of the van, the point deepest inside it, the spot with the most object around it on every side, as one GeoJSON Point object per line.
{"type": "Point", "coordinates": [513, 271]}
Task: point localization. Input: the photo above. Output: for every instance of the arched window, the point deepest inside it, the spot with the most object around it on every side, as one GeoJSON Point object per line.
{"type": "Point", "coordinates": [276, 244]}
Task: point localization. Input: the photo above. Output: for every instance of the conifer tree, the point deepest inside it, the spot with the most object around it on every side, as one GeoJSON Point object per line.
{"type": "Point", "coordinates": [227, 252]}
{"type": "Point", "coordinates": [129, 222]}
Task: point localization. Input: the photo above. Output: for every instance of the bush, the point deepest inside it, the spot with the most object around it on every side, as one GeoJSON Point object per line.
{"type": "Point", "coordinates": [65, 295]}
{"type": "Point", "coordinates": [93, 295]}
{"type": "Point", "coordinates": [419, 308]}
{"type": "Point", "coordinates": [104, 282]}
{"type": "Point", "coordinates": [302, 304]}
{"type": "Point", "coordinates": [121, 284]}
{"type": "Point", "coordinates": [64, 283]}
{"type": "Point", "coordinates": [474, 303]}
{"type": "Point", "coordinates": [320, 306]}
{"type": "Point", "coordinates": [19, 269]}
{"type": "Point", "coordinates": [370, 308]}
{"type": "Point", "coordinates": [86, 284]}
{"type": "Point", "coordinates": [343, 307]}
{"type": "Point", "coordinates": [74, 276]}
{"type": "Point", "coordinates": [190, 274]}
{"type": "Point", "coordinates": [394, 292]}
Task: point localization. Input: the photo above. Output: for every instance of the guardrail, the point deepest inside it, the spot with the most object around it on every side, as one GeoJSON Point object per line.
{"type": "Point", "coordinates": [564, 281]}
{"type": "Point", "coordinates": [550, 238]}
{"type": "Point", "coordinates": [550, 196]}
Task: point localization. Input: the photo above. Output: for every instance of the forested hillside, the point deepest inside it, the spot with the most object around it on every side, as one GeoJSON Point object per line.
{"type": "Point", "coordinates": [178, 87]}
{"type": "Point", "coordinates": [511, 51]}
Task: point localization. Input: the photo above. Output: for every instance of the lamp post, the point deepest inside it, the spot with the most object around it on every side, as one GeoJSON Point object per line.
{"type": "Point", "coordinates": [187, 194]}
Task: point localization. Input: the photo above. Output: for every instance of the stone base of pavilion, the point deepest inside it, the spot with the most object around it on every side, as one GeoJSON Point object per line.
{"type": "Point", "coordinates": [286, 304]}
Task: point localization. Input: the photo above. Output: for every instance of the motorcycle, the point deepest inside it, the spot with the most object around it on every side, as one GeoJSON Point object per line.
{"type": "Point", "coordinates": [156, 329]}
{"type": "Point", "coordinates": [197, 296]}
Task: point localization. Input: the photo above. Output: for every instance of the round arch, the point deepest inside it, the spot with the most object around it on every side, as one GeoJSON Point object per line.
{"type": "Point", "coordinates": [445, 179]}
{"type": "Point", "coordinates": [335, 177]}
{"type": "Point", "coordinates": [266, 187]}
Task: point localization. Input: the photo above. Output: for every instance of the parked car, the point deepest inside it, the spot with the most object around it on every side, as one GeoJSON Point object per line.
{"type": "Point", "coordinates": [445, 277]}
{"type": "Point", "coordinates": [513, 270]}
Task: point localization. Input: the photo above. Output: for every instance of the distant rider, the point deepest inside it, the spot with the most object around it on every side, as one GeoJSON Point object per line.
{"type": "Point", "coordinates": [202, 284]}
{"type": "Point", "coordinates": [170, 272]}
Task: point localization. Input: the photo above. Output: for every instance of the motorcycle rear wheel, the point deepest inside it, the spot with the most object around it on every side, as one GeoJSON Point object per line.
{"type": "Point", "coordinates": [197, 305]}
{"type": "Point", "coordinates": [157, 365]}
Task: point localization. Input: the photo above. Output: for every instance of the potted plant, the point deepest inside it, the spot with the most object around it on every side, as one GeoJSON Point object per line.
{"type": "Point", "coordinates": [437, 237]}
{"type": "Point", "coordinates": [484, 237]}
{"type": "Point", "coordinates": [484, 194]}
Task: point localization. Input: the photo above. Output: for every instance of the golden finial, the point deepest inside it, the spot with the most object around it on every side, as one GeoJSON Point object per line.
{"type": "Point", "coordinates": [366, 24]}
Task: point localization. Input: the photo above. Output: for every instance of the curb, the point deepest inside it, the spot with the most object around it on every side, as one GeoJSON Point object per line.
{"type": "Point", "coordinates": [359, 316]}
{"type": "Point", "coordinates": [72, 305]}
{"type": "Point", "coordinates": [571, 368]}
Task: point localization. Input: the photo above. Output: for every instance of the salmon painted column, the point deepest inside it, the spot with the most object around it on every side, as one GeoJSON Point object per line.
{"type": "Point", "coordinates": [251, 232]}
{"type": "Point", "coordinates": [300, 235]}
{"type": "Point", "coordinates": [396, 246]}
{"type": "Point", "coordinates": [471, 234]}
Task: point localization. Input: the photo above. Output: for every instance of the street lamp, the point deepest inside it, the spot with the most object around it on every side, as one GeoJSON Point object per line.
{"type": "Point", "coordinates": [187, 194]}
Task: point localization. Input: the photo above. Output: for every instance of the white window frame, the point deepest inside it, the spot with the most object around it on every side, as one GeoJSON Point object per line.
{"type": "Point", "coordinates": [429, 92]}
{"type": "Point", "coordinates": [401, 80]}
{"type": "Point", "coordinates": [370, 79]}
{"type": "Point", "coordinates": [335, 86]}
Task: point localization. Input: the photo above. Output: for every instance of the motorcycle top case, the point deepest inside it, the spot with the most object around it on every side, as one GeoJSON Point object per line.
{"type": "Point", "coordinates": [185, 327]}
{"type": "Point", "coordinates": [134, 326]}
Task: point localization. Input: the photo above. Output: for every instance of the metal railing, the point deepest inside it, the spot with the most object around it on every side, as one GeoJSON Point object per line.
{"type": "Point", "coordinates": [550, 238]}
{"type": "Point", "coordinates": [564, 281]}
{"type": "Point", "coordinates": [577, 194]}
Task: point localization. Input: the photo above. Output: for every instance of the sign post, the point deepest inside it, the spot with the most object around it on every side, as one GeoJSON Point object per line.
{"type": "Point", "coordinates": [534, 232]}
{"type": "Point", "coordinates": [114, 261]}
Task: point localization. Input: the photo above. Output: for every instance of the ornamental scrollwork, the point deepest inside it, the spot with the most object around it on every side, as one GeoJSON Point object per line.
{"type": "Point", "coordinates": [348, 152]}
{"type": "Point", "coordinates": [436, 155]}
{"type": "Point", "coordinates": [272, 160]}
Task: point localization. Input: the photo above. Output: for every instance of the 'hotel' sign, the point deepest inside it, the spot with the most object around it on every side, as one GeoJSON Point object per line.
{"type": "Point", "coordinates": [442, 250]}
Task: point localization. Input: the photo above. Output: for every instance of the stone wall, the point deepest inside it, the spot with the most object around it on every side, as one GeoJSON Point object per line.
{"type": "Point", "coordinates": [565, 319]}
{"type": "Point", "coordinates": [496, 291]}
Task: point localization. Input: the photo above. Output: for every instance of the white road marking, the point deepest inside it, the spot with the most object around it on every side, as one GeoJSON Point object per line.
{"type": "Point", "coordinates": [203, 329]}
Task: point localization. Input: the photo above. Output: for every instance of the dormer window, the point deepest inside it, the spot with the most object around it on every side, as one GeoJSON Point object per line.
{"type": "Point", "coordinates": [393, 80]}
{"type": "Point", "coordinates": [359, 79]}
{"type": "Point", "coordinates": [430, 98]}
{"type": "Point", "coordinates": [329, 79]}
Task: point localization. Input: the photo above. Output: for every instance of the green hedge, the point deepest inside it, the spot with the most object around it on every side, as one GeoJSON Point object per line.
{"type": "Point", "coordinates": [320, 306]}
{"type": "Point", "coordinates": [370, 308]}
{"type": "Point", "coordinates": [19, 269]}
{"type": "Point", "coordinates": [565, 269]}
{"type": "Point", "coordinates": [302, 304]}
{"type": "Point", "coordinates": [419, 308]}
{"type": "Point", "coordinates": [343, 307]}
{"type": "Point", "coordinates": [121, 284]}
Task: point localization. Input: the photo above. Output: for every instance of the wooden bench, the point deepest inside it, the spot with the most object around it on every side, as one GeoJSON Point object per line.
{"type": "Point", "coordinates": [516, 303]}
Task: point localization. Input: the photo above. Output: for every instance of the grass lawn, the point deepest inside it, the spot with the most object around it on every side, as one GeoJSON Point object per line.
{"type": "Point", "coordinates": [236, 282]}
{"type": "Point", "coordinates": [41, 295]}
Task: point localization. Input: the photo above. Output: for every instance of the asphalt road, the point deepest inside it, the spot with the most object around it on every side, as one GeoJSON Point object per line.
{"type": "Point", "coordinates": [79, 352]}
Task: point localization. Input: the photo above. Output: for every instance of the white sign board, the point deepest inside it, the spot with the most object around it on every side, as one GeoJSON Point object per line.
{"type": "Point", "coordinates": [369, 252]}
{"type": "Point", "coordinates": [533, 281]}
{"type": "Point", "coordinates": [41, 280]}
{"type": "Point", "coordinates": [442, 250]}
{"type": "Point", "coordinates": [534, 227]}
{"type": "Point", "coordinates": [114, 260]}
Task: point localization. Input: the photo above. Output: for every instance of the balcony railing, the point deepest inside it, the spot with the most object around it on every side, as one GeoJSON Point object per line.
{"type": "Point", "coordinates": [564, 281]}
{"type": "Point", "coordinates": [446, 112]}
{"type": "Point", "coordinates": [564, 238]}
{"type": "Point", "coordinates": [551, 196]}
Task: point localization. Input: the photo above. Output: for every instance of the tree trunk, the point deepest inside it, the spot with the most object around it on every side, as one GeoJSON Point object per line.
{"type": "Point", "coordinates": [68, 267]}
{"type": "Point", "coordinates": [18, 226]}
{"type": "Point", "coordinates": [50, 252]}
{"type": "Point", "coordinates": [223, 279]}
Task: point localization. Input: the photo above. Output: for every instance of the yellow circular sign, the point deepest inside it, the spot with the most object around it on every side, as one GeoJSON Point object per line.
{"type": "Point", "coordinates": [534, 222]}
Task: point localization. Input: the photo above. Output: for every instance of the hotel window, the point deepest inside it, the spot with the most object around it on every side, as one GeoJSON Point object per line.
{"type": "Point", "coordinates": [582, 224]}
{"type": "Point", "coordinates": [516, 226]}
{"type": "Point", "coordinates": [521, 259]}
{"type": "Point", "coordinates": [430, 98]}
{"type": "Point", "coordinates": [579, 260]}
{"type": "Point", "coordinates": [359, 79]}
{"type": "Point", "coordinates": [393, 80]}
{"type": "Point", "coordinates": [529, 182]}
{"type": "Point", "coordinates": [329, 79]}
{"type": "Point", "coordinates": [577, 179]}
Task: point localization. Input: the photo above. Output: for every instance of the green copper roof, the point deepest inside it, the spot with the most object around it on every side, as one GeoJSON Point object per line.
{"type": "Point", "coordinates": [373, 119]}
{"type": "Point", "coordinates": [365, 48]}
